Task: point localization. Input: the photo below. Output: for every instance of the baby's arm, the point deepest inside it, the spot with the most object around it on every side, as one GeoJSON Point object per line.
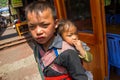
{"type": "Point", "coordinates": [83, 50]}
{"type": "Point", "coordinates": [88, 57]}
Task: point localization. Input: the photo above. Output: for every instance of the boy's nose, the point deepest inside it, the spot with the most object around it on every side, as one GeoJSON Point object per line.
{"type": "Point", "coordinates": [39, 30]}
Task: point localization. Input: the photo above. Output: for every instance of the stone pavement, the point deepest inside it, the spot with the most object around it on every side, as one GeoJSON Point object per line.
{"type": "Point", "coordinates": [8, 32]}
{"type": "Point", "coordinates": [9, 37]}
{"type": "Point", "coordinates": [18, 63]}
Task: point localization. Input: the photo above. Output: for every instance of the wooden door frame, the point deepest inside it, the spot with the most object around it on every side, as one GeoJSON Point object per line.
{"type": "Point", "coordinates": [61, 11]}
{"type": "Point", "coordinates": [99, 28]}
{"type": "Point", "coordinates": [98, 38]}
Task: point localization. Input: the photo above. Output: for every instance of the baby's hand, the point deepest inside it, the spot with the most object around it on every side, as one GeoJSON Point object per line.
{"type": "Point", "coordinates": [79, 47]}
{"type": "Point", "coordinates": [78, 44]}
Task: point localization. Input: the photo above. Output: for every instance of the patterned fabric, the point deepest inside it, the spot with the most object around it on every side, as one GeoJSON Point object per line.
{"type": "Point", "coordinates": [62, 77]}
{"type": "Point", "coordinates": [48, 57]}
{"type": "Point", "coordinates": [85, 46]}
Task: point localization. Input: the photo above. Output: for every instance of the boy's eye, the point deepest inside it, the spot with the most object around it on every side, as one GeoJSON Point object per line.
{"type": "Point", "coordinates": [44, 25]}
{"type": "Point", "coordinates": [31, 27]}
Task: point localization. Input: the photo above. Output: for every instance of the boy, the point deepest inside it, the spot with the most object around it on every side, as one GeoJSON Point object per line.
{"type": "Point", "coordinates": [56, 59]}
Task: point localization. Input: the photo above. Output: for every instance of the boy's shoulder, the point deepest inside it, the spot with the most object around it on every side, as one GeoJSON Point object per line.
{"type": "Point", "coordinates": [66, 46]}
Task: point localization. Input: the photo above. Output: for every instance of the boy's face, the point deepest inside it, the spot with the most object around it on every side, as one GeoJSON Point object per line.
{"type": "Point", "coordinates": [70, 35]}
{"type": "Point", "coordinates": [41, 26]}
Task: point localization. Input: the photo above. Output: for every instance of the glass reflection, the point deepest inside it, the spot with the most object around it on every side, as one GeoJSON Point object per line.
{"type": "Point", "coordinates": [112, 14]}
{"type": "Point", "coordinates": [79, 12]}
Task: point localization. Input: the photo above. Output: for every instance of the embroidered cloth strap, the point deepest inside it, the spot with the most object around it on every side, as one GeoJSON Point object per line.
{"type": "Point", "coordinates": [56, 67]}
{"type": "Point", "coordinates": [46, 58]}
{"type": "Point", "coordinates": [37, 58]}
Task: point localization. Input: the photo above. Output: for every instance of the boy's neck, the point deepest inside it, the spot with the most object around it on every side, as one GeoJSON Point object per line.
{"type": "Point", "coordinates": [47, 45]}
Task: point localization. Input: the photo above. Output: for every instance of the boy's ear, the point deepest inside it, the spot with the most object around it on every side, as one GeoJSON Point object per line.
{"type": "Point", "coordinates": [56, 23]}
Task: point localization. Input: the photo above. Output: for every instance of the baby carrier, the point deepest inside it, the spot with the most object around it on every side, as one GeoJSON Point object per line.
{"type": "Point", "coordinates": [46, 59]}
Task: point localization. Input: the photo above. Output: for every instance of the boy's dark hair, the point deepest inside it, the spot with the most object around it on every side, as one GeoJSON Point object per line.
{"type": "Point", "coordinates": [40, 6]}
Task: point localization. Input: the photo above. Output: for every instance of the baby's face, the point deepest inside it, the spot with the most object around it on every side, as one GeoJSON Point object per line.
{"type": "Point", "coordinates": [70, 35]}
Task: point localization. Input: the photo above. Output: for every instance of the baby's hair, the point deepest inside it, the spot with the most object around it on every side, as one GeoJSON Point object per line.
{"type": "Point", "coordinates": [64, 25]}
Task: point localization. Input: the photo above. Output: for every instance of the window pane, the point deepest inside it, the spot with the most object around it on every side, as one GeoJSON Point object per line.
{"type": "Point", "coordinates": [79, 12]}
{"type": "Point", "coordinates": [112, 14]}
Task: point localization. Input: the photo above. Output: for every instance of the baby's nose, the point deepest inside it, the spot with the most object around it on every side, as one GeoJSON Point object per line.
{"type": "Point", "coordinates": [74, 38]}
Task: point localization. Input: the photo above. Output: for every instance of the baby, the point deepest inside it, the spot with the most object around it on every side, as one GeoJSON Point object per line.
{"type": "Point", "coordinates": [68, 31]}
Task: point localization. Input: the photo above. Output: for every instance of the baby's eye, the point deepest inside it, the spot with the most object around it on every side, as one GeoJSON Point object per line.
{"type": "Point", "coordinates": [76, 33]}
{"type": "Point", "coordinates": [69, 35]}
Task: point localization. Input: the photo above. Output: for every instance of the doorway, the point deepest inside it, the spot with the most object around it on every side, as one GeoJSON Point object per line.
{"type": "Point", "coordinates": [89, 17]}
{"type": "Point", "coordinates": [112, 15]}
